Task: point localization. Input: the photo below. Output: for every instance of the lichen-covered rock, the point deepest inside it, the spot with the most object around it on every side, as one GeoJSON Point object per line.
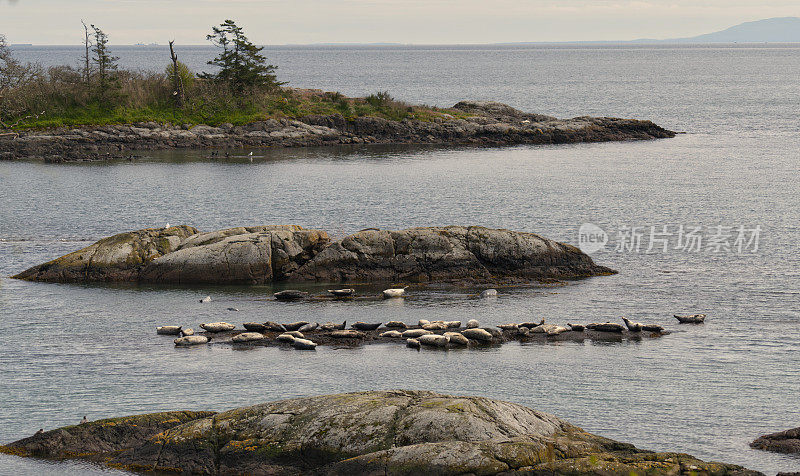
{"type": "Point", "coordinates": [116, 258]}
{"type": "Point", "coordinates": [258, 255]}
{"type": "Point", "coordinates": [446, 254]}
{"type": "Point", "coordinates": [781, 442]}
{"type": "Point", "coordinates": [379, 432]}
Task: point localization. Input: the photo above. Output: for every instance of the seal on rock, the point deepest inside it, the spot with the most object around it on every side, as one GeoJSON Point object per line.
{"type": "Point", "coordinates": [215, 327]}
{"type": "Point", "coordinates": [342, 292]}
{"type": "Point", "coordinates": [190, 340]}
{"type": "Point", "coordinates": [652, 328]}
{"type": "Point", "coordinates": [472, 324]}
{"type": "Point", "coordinates": [274, 326]}
{"type": "Point", "coordinates": [254, 326]}
{"type": "Point", "coordinates": [456, 338]}
{"type": "Point", "coordinates": [363, 326]}
{"type": "Point", "coordinates": [477, 334]}
{"type": "Point", "coordinates": [423, 322]}
{"type": "Point", "coordinates": [632, 326]}
{"type": "Point", "coordinates": [187, 332]}
{"type": "Point", "coordinates": [606, 327]}
{"type": "Point", "coordinates": [247, 337]}
{"type": "Point", "coordinates": [453, 324]}
{"type": "Point", "coordinates": [576, 327]}
{"type": "Point", "coordinates": [396, 325]}
{"type": "Point", "coordinates": [309, 327]}
{"type": "Point", "coordinates": [393, 293]}
{"type": "Point", "coordinates": [347, 334]}
{"type": "Point", "coordinates": [413, 333]}
{"type": "Point", "coordinates": [304, 344]}
{"type": "Point", "coordinates": [290, 295]}
{"type": "Point", "coordinates": [168, 330]}
{"type": "Point", "coordinates": [690, 319]}
{"type": "Point", "coordinates": [434, 340]}
{"type": "Point", "coordinates": [413, 343]}
{"type": "Point", "coordinates": [295, 325]}
{"type": "Point", "coordinates": [435, 326]}
{"type": "Point", "coordinates": [330, 326]}
{"type": "Point", "coordinates": [392, 334]}
{"type": "Point", "coordinates": [288, 338]}
{"type": "Point", "coordinates": [508, 327]}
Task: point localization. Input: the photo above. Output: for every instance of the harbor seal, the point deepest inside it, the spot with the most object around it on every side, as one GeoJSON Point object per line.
{"type": "Point", "coordinates": [393, 293]}
{"type": "Point", "coordinates": [652, 328]}
{"type": "Point", "coordinates": [304, 344]}
{"type": "Point", "coordinates": [274, 326]}
{"type": "Point", "coordinates": [477, 334]}
{"type": "Point", "coordinates": [423, 322]}
{"type": "Point", "coordinates": [309, 327]}
{"type": "Point", "coordinates": [472, 324]}
{"type": "Point", "coordinates": [254, 327]}
{"type": "Point", "coordinates": [190, 340]}
{"type": "Point", "coordinates": [413, 343]}
{"type": "Point", "coordinates": [363, 326]}
{"type": "Point", "coordinates": [487, 293]}
{"type": "Point", "coordinates": [413, 333]}
{"type": "Point", "coordinates": [392, 334]}
{"type": "Point", "coordinates": [187, 332]}
{"type": "Point", "coordinates": [395, 325]}
{"type": "Point", "coordinates": [576, 327]}
{"type": "Point", "coordinates": [294, 325]}
{"type": "Point", "coordinates": [456, 338]}
{"type": "Point", "coordinates": [690, 319]}
{"type": "Point", "coordinates": [347, 334]}
{"type": "Point", "coordinates": [168, 330]}
{"type": "Point", "coordinates": [435, 326]}
{"type": "Point", "coordinates": [453, 324]}
{"type": "Point", "coordinates": [339, 293]}
{"type": "Point", "coordinates": [606, 327]}
{"type": "Point", "coordinates": [330, 326]}
{"type": "Point", "coordinates": [290, 295]}
{"type": "Point", "coordinates": [247, 337]}
{"type": "Point", "coordinates": [206, 299]}
{"type": "Point", "coordinates": [508, 327]}
{"type": "Point", "coordinates": [434, 340]}
{"type": "Point", "coordinates": [215, 327]}
{"type": "Point", "coordinates": [288, 338]}
{"type": "Point", "coordinates": [632, 326]}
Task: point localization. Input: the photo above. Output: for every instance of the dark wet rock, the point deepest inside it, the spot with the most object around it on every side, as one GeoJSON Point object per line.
{"type": "Point", "coordinates": [485, 123]}
{"type": "Point", "coordinates": [264, 254]}
{"type": "Point", "coordinates": [380, 432]}
{"type": "Point", "coordinates": [782, 442]}
{"type": "Point", "coordinates": [446, 254]}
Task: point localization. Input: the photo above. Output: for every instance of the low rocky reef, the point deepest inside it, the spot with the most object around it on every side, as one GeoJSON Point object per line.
{"type": "Point", "coordinates": [481, 123]}
{"type": "Point", "coordinates": [782, 442]}
{"type": "Point", "coordinates": [397, 432]}
{"type": "Point", "coordinates": [267, 254]}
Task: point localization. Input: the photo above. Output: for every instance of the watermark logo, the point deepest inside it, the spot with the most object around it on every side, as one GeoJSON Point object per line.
{"type": "Point", "coordinates": [671, 238]}
{"type": "Point", "coordinates": [591, 238]}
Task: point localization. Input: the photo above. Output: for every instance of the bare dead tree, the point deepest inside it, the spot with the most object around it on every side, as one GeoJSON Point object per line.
{"type": "Point", "coordinates": [87, 43]}
{"type": "Point", "coordinates": [177, 81]}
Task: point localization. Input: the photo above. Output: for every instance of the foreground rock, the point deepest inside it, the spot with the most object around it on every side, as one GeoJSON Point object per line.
{"type": "Point", "coordinates": [782, 442]}
{"type": "Point", "coordinates": [265, 254]}
{"type": "Point", "coordinates": [388, 432]}
{"type": "Point", "coordinates": [482, 123]}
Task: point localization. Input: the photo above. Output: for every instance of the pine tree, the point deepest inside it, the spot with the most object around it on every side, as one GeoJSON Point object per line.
{"type": "Point", "coordinates": [106, 63]}
{"type": "Point", "coordinates": [241, 63]}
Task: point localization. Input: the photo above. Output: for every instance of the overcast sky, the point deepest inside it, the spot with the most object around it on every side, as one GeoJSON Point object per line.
{"type": "Point", "coordinates": [369, 21]}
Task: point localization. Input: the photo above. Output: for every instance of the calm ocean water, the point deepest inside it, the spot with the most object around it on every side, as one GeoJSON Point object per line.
{"type": "Point", "coordinates": [708, 390]}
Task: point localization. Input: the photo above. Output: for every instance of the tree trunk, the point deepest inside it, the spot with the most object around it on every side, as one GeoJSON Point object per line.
{"type": "Point", "coordinates": [177, 82]}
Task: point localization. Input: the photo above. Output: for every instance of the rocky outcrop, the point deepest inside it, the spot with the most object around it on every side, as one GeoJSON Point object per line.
{"type": "Point", "coordinates": [257, 255]}
{"type": "Point", "coordinates": [182, 255]}
{"type": "Point", "coordinates": [446, 254]}
{"type": "Point", "coordinates": [483, 123]}
{"type": "Point", "coordinates": [382, 432]}
{"type": "Point", "coordinates": [782, 442]}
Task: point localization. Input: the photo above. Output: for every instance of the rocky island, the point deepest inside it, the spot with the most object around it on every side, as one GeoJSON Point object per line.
{"type": "Point", "coordinates": [269, 254]}
{"type": "Point", "coordinates": [398, 432]}
{"type": "Point", "coordinates": [466, 123]}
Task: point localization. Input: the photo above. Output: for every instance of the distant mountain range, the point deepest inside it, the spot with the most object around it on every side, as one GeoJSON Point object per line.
{"type": "Point", "coordinates": [771, 30]}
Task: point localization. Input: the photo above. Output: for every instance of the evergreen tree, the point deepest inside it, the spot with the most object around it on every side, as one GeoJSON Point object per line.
{"type": "Point", "coordinates": [106, 63]}
{"type": "Point", "coordinates": [241, 63]}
